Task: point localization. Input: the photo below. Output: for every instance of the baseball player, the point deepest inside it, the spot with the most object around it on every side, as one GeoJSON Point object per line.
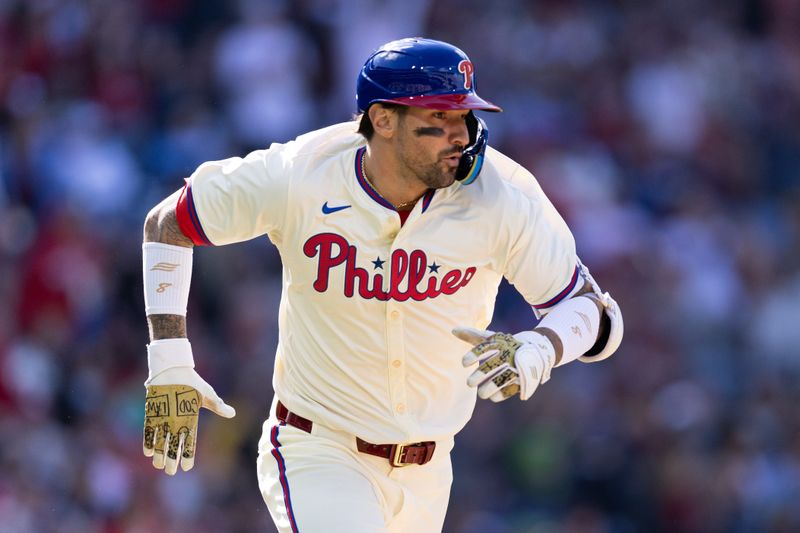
{"type": "Point", "coordinates": [394, 231]}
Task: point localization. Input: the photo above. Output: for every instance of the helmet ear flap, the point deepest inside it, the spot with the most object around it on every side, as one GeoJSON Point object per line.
{"type": "Point", "coordinates": [472, 157]}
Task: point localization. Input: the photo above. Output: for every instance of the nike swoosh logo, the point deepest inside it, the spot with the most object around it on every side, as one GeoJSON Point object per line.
{"type": "Point", "coordinates": [328, 210]}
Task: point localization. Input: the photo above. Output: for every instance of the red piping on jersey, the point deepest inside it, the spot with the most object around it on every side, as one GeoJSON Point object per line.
{"type": "Point", "coordinates": [372, 193]}
{"type": "Point", "coordinates": [187, 217]}
{"type": "Point", "coordinates": [287, 498]}
{"type": "Point", "coordinates": [561, 295]}
{"type": "Point", "coordinates": [426, 200]}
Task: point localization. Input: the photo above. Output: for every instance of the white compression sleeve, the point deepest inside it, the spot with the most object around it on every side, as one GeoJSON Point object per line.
{"type": "Point", "coordinates": [577, 323]}
{"type": "Point", "coordinates": [167, 272]}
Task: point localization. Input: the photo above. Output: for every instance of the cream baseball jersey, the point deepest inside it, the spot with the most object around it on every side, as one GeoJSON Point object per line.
{"type": "Point", "coordinates": [368, 303]}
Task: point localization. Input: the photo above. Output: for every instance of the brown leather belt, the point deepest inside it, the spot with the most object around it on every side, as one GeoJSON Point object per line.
{"type": "Point", "coordinates": [397, 454]}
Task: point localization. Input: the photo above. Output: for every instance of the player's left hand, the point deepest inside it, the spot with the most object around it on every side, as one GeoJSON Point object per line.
{"type": "Point", "coordinates": [507, 364]}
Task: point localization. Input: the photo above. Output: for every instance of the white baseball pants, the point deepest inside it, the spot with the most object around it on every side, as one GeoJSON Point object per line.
{"type": "Point", "coordinates": [319, 482]}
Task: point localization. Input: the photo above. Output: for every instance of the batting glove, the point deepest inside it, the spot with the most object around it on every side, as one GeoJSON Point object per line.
{"type": "Point", "coordinates": [507, 364]}
{"type": "Point", "coordinates": [175, 393]}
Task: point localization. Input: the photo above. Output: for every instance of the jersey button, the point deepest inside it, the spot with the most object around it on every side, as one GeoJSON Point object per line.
{"type": "Point", "coordinates": [401, 408]}
{"type": "Point", "coordinates": [395, 315]}
{"type": "Point", "coordinates": [396, 363]}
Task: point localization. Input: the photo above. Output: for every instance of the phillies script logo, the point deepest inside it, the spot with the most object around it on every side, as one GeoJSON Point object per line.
{"type": "Point", "coordinates": [334, 251]}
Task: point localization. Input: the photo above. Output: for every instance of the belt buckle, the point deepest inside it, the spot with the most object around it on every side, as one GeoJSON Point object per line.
{"type": "Point", "coordinates": [397, 454]}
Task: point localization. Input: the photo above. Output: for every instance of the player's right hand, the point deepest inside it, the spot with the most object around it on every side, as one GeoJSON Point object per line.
{"type": "Point", "coordinates": [175, 395]}
{"type": "Point", "coordinates": [508, 365]}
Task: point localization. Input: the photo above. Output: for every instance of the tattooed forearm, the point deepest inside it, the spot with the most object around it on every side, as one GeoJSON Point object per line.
{"type": "Point", "coordinates": [161, 224]}
{"type": "Point", "coordinates": [166, 327]}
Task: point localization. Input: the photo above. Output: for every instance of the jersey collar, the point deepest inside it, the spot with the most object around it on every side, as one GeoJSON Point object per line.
{"type": "Point", "coordinates": [372, 193]}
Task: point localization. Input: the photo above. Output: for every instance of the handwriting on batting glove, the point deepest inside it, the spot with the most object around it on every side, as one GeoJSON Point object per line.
{"type": "Point", "coordinates": [496, 376]}
{"type": "Point", "coordinates": [170, 426]}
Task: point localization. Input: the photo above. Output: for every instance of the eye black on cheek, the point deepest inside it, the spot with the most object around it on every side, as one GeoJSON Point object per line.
{"type": "Point", "coordinates": [429, 131]}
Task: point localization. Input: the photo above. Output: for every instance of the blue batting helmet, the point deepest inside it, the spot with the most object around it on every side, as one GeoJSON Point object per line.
{"type": "Point", "coordinates": [421, 73]}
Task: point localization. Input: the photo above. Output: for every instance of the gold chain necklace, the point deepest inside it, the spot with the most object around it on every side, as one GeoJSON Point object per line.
{"type": "Point", "coordinates": [398, 207]}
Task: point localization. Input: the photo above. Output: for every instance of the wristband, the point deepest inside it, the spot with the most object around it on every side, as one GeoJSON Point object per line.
{"type": "Point", "coordinates": [167, 273]}
{"type": "Point", "coordinates": [168, 353]}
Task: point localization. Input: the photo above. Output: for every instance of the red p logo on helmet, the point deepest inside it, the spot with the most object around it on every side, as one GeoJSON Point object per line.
{"type": "Point", "coordinates": [465, 67]}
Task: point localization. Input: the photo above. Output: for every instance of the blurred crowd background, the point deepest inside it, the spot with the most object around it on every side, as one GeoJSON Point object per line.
{"type": "Point", "coordinates": [666, 132]}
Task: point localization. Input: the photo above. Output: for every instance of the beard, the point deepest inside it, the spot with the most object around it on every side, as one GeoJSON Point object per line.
{"type": "Point", "coordinates": [437, 175]}
{"type": "Point", "coordinates": [434, 175]}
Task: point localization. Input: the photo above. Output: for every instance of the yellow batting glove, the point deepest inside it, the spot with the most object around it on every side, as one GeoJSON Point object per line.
{"type": "Point", "coordinates": [170, 426]}
{"type": "Point", "coordinates": [175, 394]}
{"type": "Point", "coordinates": [508, 365]}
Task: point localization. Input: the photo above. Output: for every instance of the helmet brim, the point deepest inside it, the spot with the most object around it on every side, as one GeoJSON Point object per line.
{"type": "Point", "coordinates": [445, 102]}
